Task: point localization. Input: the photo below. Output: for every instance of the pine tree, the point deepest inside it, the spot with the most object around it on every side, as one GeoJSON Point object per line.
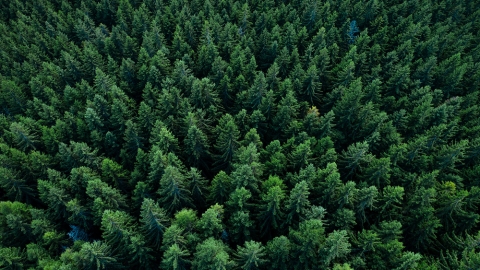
{"type": "Point", "coordinates": [344, 219]}
{"type": "Point", "coordinates": [422, 223]}
{"type": "Point", "coordinates": [336, 246]}
{"type": "Point", "coordinates": [220, 188]}
{"type": "Point", "coordinates": [306, 242]}
{"type": "Point", "coordinates": [301, 156]}
{"type": "Point", "coordinates": [297, 203]}
{"type": "Point", "coordinates": [117, 229]}
{"type": "Point", "coordinates": [15, 222]}
{"type": "Point", "coordinates": [203, 94]}
{"type": "Point", "coordinates": [95, 255]}
{"type": "Point", "coordinates": [287, 111]}
{"type": "Point", "coordinates": [275, 160]}
{"type": "Point", "coordinates": [175, 258]}
{"type": "Point", "coordinates": [227, 142]}
{"type": "Point", "coordinates": [366, 197]}
{"type": "Point", "coordinates": [173, 193]}
{"type": "Point", "coordinates": [312, 85]}
{"type": "Point", "coordinates": [23, 136]}
{"type": "Point", "coordinates": [271, 213]}
{"type": "Point", "coordinates": [153, 221]}
{"type": "Point", "coordinates": [240, 226]}
{"type": "Point", "coordinates": [104, 197]}
{"type": "Point", "coordinates": [197, 185]}
{"type": "Point", "coordinates": [12, 258]}
{"type": "Point", "coordinates": [378, 172]}
{"type": "Point", "coordinates": [55, 197]}
{"type": "Point", "coordinates": [354, 157]}
{"type": "Point", "coordinates": [251, 256]}
{"type": "Point", "coordinates": [133, 142]}
{"type": "Point", "coordinates": [256, 91]}
{"type": "Point", "coordinates": [210, 224]}
{"type": "Point", "coordinates": [164, 139]}
{"type": "Point", "coordinates": [15, 188]}
{"type": "Point", "coordinates": [278, 252]}
{"type": "Point", "coordinates": [212, 254]}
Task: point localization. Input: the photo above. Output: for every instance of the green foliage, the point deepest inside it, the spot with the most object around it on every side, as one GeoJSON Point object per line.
{"type": "Point", "coordinates": [251, 256]}
{"type": "Point", "coordinates": [175, 258]}
{"type": "Point", "coordinates": [271, 214]}
{"type": "Point", "coordinates": [227, 140]}
{"type": "Point", "coordinates": [297, 203]}
{"type": "Point", "coordinates": [15, 188]}
{"type": "Point", "coordinates": [196, 146]}
{"type": "Point", "coordinates": [94, 255]}
{"type": "Point", "coordinates": [172, 191]}
{"type": "Point", "coordinates": [12, 258]}
{"type": "Point", "coordinates": [24, 137]}
{"type": "Point", "coordinates": [210, 224]}
{"type": "Point", "coordinates": [153, 222]}
{"type": "Point", "coordinates": [220, 188]}
{"type": "Point", "coordinates": [239, 135]}
{"type": "Point", "coordinates": [306, 242]}
{"type": "Point", "coordinates": [212, 254]}
{"type": "Point", "coordinates": [278, 252]}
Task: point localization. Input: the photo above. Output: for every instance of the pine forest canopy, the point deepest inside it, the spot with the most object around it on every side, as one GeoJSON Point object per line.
{"type": "Point", "coordinates": [274, 134]}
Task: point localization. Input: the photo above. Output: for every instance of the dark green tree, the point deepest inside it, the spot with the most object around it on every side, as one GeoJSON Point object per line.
{"type": "Point", "coordinates": [298, 203]}
{"type": "Point", "coordinates": [278, 253]}
{"type": "Point", "coordinates": [220, 188]}
{"type": "Point", "coordinates": [173, 191]}
{"type": "Point", "coordinates": [306, 243]}
{"type": "Point", "coordinates": [271, 213]}
{"type": "Point", "coordinates": [197, 185]}
{"type": "Point", "coordinates": [212, 254]}
{"type": "Point", "coordinates": [175, 258]}
{"type": "Point", "coordinates": [153, 222]}
{"type": "Point", "coordinates": [227, 142]}
{"type": "Point", "coordinates": [251, 256]}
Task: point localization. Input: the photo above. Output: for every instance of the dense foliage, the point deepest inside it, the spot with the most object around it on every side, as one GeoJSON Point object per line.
{"type": "Point", "coordinates": [239, 134]}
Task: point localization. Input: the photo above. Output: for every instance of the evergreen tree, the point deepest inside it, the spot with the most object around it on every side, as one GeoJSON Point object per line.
{"type": "Point", "coordinates": [172, 191]}
{"type": "Point", "coordinates": [210, 224]}
{"type": "Point", "coordinates": [198, 188]}
{"type": "Point", "coordinates": [220, 188]}
{"type": "Point", "coordinates": [95, 255]}
{"type": "Point", "coordinates": [297, 203]}
{"type": "Point", "coordinates": [227, 142]}
{"type": "Point", "coordinates": [179, 134]}
{"type": "Point", "coordinates": [24, 137]}
{"type": "Point", "coordinates": [175, 258]}
{"type": "Point", "coordinates": [15, 188]}
{"type": "Point", "coordinates": [196, 147]}
{"type": "Point", "coordinates": [251, 256]}
{"type": "Point", "coordinates": [278, 252]}
{"type": "Point", "coordinates": [306, 242]}
{"type": "Point", "coordinates": [212, 254]}
{"type": "Point", "coordinates": [153, 221]}
{"type": "Point", "coordinates": [271, 213]}
{"type": "Point", "coordinates": [117, 229]}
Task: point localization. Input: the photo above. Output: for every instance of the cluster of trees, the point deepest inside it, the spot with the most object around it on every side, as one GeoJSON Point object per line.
{"type": "Point", "coordinates": [257, 134]}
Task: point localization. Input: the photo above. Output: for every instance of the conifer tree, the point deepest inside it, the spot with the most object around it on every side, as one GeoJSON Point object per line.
{"type": "Point", "coordinates": [251, 256]}
{"type": "Point", "coordinates": [239, 135]}
{"type": "Point", "coordinates": [210, 254]}
{"type": "Point", "coordinates": [220, 188]}
{"type": "Point", "coordinates": [153, 221]}
{"type": "Point", "coordinates": [297, 203]}
{"type": "Point", "coordinates": [173, 193]}
{"type": "Point", "coordinates": [227, 142]}
{"type": "Point", "coordinates": [306, 241]}
{"type": "Point", "coordinates": [175, 258]}
{"type": "Point", "coordinates": [271, 213]}
{"type": "Point", "coordinates": [197, 185]}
